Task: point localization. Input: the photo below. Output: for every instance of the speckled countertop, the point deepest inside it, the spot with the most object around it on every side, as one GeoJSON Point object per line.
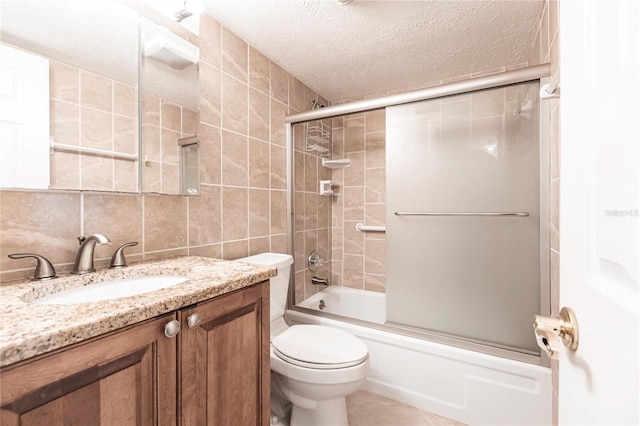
{"type": "Point", "coordinates": [27, 330]}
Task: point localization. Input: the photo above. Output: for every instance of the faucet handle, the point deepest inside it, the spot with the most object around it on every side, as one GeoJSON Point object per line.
{"type": "Point", "coordinates": [44, 268]}
{"type": "Point", "coordinates": [118, 260]}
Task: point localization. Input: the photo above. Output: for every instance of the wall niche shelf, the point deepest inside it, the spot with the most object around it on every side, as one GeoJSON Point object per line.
{"type": "Point", "coordinates": [336, 164]}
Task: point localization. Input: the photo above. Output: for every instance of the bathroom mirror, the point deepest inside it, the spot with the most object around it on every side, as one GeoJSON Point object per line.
{"type": "Point", "coordinates": [170, 94]}
{"type": "Point", "coordinates": [72, 75]}
{"type": "Point", "coordinates": [69, 84]}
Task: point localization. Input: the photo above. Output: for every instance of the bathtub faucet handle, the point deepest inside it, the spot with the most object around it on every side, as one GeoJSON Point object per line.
{"type": "Point", "coordinates": [315, 261]}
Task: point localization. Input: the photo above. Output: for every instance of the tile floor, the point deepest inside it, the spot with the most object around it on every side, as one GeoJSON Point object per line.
{"type": "Point", "coordinates": [368, 409]}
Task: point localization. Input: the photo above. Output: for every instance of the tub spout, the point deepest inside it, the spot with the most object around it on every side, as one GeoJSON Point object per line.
{"type": "Point", "coordinates": [319, 281]}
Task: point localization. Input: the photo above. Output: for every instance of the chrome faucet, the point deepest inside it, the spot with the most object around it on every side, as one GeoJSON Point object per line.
{"type": "Point", "coordinates": [84, 258]}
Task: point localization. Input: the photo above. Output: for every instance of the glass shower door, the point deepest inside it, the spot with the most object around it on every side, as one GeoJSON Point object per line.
{"type": "Point", "coordinates": [463, 201]}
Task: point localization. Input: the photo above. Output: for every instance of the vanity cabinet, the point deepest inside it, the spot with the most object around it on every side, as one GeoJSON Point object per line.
{"type": "Point", "coordinates": [125, 378]}
{"type": "Point", "coordinates": [215, 371]}
{"type": "Point", "coordinates": [225, 372]}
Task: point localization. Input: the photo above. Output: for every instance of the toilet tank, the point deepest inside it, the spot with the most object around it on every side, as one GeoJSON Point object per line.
{"type": "Point", "coordinates": [280, 283]}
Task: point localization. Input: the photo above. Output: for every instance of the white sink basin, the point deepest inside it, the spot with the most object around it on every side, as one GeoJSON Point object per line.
{"type": "Point", "coordinates": [110, 290]}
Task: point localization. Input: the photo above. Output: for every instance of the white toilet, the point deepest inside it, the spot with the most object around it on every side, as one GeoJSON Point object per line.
{"type": "Point", "coordinates": [313, 367]}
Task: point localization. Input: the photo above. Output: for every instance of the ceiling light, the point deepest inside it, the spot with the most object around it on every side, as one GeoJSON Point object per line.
{"type": "Point", "coordinates": [188, 8]}
{"type": "Point", "coordinates": [343, 2]}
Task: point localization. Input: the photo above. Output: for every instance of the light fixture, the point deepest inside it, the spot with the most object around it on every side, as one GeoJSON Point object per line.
{"type": "Point", "coordinates": [188, 8]}
{"type": "Point", "coordinates": [343, 2]}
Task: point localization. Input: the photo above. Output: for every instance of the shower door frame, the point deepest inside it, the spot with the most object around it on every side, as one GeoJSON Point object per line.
{"type": "Point", "coordinates": [539, 73]}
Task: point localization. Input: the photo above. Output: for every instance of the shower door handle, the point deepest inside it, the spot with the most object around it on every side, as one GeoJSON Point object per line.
{"type": "Point", "coordinates": [512, 214]}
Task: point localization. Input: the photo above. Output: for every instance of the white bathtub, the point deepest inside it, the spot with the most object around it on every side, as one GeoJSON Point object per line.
{"type": "Point", "coordinates": [464, 385]}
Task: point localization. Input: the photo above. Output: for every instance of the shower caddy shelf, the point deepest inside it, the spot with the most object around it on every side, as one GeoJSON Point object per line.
{"type": "Point", "coordinates": [319, 137]}
{"type": "Point", "coordinates": [336, 164]}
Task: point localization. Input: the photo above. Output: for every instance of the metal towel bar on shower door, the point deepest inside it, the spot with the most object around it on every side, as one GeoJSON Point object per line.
{"type": "Point", "coordinates": [512, 214]}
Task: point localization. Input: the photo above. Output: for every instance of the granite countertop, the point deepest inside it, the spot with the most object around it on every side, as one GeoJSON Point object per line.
{"type": "Point", "coordinates": [27, 330]}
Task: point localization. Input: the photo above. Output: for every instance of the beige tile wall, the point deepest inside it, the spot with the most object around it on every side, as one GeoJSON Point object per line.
{"type": "Point", "coordinates": [242, 209]}
{"type": "Point", "coordinates": [546, 49]}
{"type": "Point", "coordinates": [164, 123]}
{"type": "Point", "coordinates": [312, 212]}
{"type": "Point", "coordinates": [92, 111]}
{"type": "Point", "coordinates": [358, 258]}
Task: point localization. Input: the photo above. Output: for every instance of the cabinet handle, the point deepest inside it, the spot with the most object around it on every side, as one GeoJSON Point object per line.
{"type": "Point", "coordinates": [193, 320]}
{"type": "Point", "coordinates": [171, 328]}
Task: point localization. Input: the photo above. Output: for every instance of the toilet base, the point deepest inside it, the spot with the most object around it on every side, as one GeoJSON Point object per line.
{"type": "Point", "coordinates": [327, 412]}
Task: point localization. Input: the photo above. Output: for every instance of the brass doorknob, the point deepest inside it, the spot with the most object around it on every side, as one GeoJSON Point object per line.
{"type": "Point", "coordinates": [551, 331]}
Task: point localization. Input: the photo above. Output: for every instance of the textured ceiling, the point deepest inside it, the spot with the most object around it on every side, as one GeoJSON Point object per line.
{"type": "Point", "coordinates": [367, 47]}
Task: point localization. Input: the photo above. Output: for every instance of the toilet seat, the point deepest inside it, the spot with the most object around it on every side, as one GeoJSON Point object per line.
{"type": "Point", "coordinates": [319, 347]}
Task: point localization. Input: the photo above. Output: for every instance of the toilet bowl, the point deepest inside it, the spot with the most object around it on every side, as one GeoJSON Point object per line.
{"type": "Point", "coordinates": [313, 367]}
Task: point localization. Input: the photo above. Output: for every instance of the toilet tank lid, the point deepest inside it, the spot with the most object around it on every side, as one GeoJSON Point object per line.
{"type": "Point", "coordinates": [276, 260]}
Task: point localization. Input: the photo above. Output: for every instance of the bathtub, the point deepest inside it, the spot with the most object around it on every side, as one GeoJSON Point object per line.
{"type": "Point", "coordinates": [464, 385]}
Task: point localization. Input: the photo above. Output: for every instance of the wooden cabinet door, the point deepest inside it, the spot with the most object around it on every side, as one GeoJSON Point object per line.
{"type": "Point", "coordinates": [125, 378]}
{"type": "Point", "coordinates": [224, 377]}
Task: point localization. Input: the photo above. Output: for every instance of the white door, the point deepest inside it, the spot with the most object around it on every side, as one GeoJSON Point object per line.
{"type": "Point", "coordinates": [599, 209]}
{"type": "Point", "coordinates": [24, 119]}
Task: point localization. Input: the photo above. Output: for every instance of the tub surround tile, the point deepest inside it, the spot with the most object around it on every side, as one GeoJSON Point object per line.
{"type": "Point", "coordinates": [29, 330]}
{"type": "Point", "coordinates": [375, 283]}
{"type": "Point", "coordinates": [375, 121]}
{"type": "Point", "coordinates": [353, 271]}
{"type": "Point", "coordinates": [354, 203]}
{"type": "Point", "coordinates": [375, 152]}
